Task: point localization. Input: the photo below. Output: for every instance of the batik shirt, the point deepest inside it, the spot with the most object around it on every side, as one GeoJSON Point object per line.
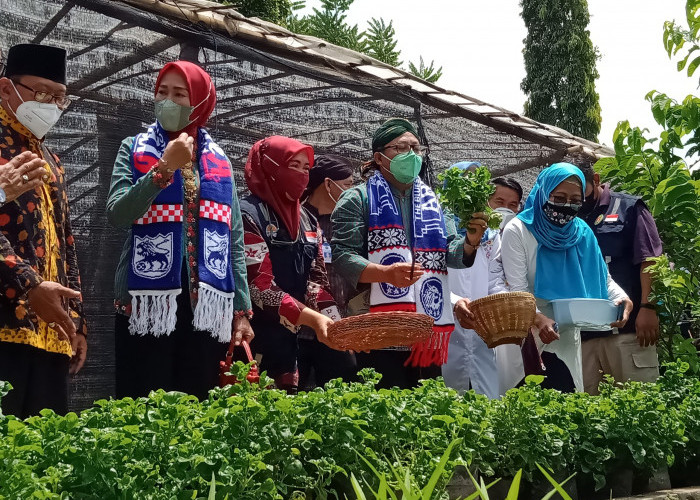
{"type": "Point", "coordinates": [36, 244]}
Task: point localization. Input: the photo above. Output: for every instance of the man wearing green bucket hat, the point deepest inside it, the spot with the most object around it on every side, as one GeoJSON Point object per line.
{"type": "Point", "coordinates": [392, 242]}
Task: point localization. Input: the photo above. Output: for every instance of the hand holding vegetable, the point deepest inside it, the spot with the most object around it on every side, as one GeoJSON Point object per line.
{"type": "Point", "coordinates": [466, 194]}
{"type": "Point", "coordinates": [476, 228]}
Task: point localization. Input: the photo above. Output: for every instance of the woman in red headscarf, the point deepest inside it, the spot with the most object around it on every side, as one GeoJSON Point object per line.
{"type": "Point", "coordinates": [180, 286]}
{"type": "Point", "coordinates": [286, 274]}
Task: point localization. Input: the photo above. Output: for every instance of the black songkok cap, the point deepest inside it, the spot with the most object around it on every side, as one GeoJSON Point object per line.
{"type": "Point", "coordinates": [328, 166]}
{"type": "Point", "coordinates": [37, 60]}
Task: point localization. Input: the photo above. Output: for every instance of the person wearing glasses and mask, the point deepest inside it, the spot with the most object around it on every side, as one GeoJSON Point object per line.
{"type": "Point", "coordinates": [470, 363]}
{"type": "Point", "coordinates": [42, 325]}
{"type": "Point", "coordinates": [284, 254]}
{"type": "Point", "coordinates": [180, 286]}
{"type": "Point", "coordinates": [553, 254]}
{"type": "Point", "coordinates": [392, 242]}
{"type": "Point", "coordinates": [318, 363]}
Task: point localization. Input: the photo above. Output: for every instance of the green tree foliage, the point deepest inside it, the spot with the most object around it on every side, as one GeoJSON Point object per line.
{"type": "Point", "coordinates": [330, 22]}
{"type": "Point", "coordinates": [275, 11]}
{"type": "Point", "coordinates": [560, 62]}
{"type": "Point", "coordinates": [427, 73]}
{"type": "Point", "coordinates": [657, 170]}
{"type": "Point", "coordinates": [677, 36]}
{"type": "Point", "coordinates": [380, 42]}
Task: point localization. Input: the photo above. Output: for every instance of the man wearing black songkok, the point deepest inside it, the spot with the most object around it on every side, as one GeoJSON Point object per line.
{"type": "Point", "coordinates": [318, 363]}
{"type": "Point", "coordinates": [42, 327]}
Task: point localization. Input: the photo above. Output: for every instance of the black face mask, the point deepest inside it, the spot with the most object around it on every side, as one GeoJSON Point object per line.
{"type": "Point", "coordinates": [560, 214]}
{"type": "Point", "coordinates": [589, 204]}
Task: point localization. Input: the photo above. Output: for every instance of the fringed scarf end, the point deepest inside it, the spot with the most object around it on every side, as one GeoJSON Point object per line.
{"type": "Point", "coordinates": [153, 313]}
{"type": "Point", "coordinates": [214, 312]}
{"type": "Point", "coordinates": [432, 351]}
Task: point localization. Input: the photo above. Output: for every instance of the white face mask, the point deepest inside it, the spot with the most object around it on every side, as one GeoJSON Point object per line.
{"type": "Point", "coordinates": [38, 117]}
{"type": "Point", "coordinates": [507, 215]}
{"type": "Point", "coordinates": [342, 190]}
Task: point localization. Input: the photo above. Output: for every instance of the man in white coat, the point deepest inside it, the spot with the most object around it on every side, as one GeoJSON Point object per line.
{"type": "Point", "coordinates": [470, 363]}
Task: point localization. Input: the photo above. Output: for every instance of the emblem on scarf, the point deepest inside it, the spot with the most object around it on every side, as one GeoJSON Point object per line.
{"type": "Point", "coordinates": [432, 298]}
{"type": "Point", "coordinates": [216, 253]}
{"type": "Point", "coordinates": [391, 291]}
{"type": "Point", "coordinates": [153, 255]}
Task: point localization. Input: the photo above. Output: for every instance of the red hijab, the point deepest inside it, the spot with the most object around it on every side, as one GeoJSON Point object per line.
{"type": "Point", "coordinates": [201, 90]}
{"type": "Point", "coordinates": [269, 177]}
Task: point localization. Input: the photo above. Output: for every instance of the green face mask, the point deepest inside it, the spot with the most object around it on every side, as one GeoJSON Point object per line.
{"type": "Point", "coordinates": [405, 167]}
{"type": "Point", "coordinates": [172, 116]}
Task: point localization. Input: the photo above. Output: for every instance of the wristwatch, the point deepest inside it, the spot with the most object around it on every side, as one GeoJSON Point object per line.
{"type": "Point", "coordinates": [3, 197]}
{"type": "Point", "coordinates": [648, 305]}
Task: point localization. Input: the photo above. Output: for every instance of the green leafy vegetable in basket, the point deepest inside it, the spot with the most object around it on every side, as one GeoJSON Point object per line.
{"type": "Point", "coordinates": [466, 192]}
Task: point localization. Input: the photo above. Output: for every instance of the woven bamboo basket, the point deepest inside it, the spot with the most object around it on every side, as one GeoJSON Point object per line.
{"type": "Point", "coordinates": [503, 318]}
{"type": "Point", "coordinates": [367, 332]}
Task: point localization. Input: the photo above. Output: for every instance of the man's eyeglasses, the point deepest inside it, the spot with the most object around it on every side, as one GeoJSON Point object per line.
{"type": "Point", "coordinates": [404, 147]}
{"type": "Point", "coordinates": [45, 97]}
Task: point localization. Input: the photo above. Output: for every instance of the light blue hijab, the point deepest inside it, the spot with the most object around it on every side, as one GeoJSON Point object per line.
{"type": "Point", "coordinates": [569, 262]}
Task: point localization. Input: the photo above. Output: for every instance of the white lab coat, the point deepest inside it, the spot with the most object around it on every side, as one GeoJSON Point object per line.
{"type": "Point", "coordinates": [469, 362]}
{"type": "Point", "coordinates": [519, 257]}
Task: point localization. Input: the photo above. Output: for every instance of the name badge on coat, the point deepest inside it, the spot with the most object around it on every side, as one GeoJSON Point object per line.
{"type": "Point", "coordinates": [327, 253]}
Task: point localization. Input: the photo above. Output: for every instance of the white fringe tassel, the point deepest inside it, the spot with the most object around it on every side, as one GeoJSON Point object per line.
{"type": "Point", "coordinates": [153, 312]}
{"type": "Point", "coordinates": [214, 312]}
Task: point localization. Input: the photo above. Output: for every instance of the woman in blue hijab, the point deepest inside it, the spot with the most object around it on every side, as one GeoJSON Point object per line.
{"type": "Point", "coordinates": [553, 254]}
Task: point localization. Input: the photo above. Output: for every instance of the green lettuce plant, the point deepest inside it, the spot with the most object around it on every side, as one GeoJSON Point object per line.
{"type": "Point", "coordinates": [466, 192]}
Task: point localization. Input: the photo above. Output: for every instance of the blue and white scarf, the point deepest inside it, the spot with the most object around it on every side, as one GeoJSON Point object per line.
{"type": "Point", "coordinates": [387, 244]}
{"type": "Point", "coordinates": [157, 243]}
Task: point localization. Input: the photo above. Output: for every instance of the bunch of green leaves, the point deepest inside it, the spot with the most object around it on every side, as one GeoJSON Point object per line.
{"type": "Point", "coordinates": [427, 72]}
{"type": "Point", "coordinates": [466, 192]}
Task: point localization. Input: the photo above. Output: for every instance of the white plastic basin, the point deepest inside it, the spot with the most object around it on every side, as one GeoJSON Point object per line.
{"type": "Point", "coordinates": [587, 314]}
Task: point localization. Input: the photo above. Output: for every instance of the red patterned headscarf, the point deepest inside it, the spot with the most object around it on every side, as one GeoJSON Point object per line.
{"type": "Point", "coordinates": [269, 177]}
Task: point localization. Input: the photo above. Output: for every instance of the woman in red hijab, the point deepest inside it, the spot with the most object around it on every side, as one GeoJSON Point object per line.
{"type": "Point", "coordinates": [180, 286]}
{"type": "Point", "coordinates": [286, 274]}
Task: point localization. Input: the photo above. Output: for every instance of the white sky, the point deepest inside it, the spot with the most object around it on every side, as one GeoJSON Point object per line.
{"type": "Point", "coordinates": [479, 46]}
